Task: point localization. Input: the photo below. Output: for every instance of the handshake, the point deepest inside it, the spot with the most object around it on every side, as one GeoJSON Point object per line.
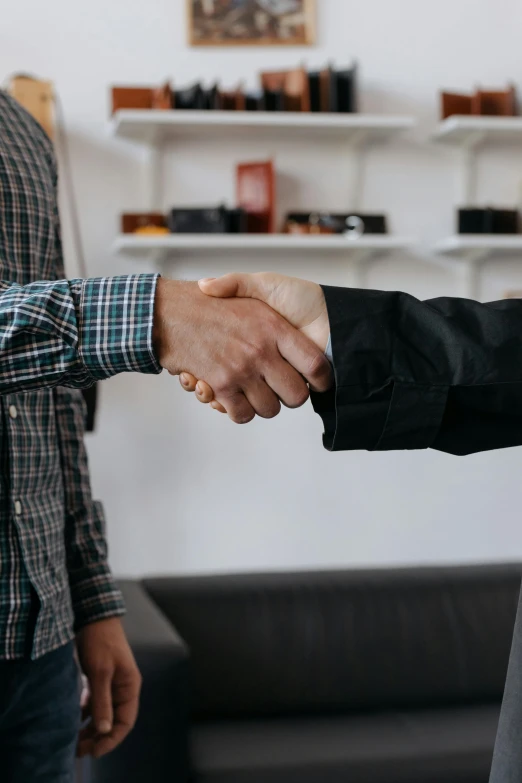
{"type": "Point", "coordinates": [245, 343]}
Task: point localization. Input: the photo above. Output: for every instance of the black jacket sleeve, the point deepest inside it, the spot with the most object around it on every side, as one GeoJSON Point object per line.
{"type": "Point", "coordinates": [443, 374]}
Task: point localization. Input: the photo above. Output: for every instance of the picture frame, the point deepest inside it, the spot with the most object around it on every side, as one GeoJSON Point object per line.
{"type": "Point", "coordinates": [251, 22]}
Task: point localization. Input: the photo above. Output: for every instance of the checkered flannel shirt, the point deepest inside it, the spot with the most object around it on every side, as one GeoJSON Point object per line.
{"type": "Point", "coordinates": [56, 336]}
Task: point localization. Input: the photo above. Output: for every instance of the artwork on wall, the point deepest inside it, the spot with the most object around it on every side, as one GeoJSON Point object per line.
{"type": "Point", "coordinates": [251, 22]}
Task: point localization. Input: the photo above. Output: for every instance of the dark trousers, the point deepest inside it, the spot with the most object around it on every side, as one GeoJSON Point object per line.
{"type": "Point", "coordinates": [39, 718]}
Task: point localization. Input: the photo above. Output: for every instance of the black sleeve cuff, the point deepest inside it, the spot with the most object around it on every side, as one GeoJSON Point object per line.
{"type": "Point", "coordinates": [369, 408]}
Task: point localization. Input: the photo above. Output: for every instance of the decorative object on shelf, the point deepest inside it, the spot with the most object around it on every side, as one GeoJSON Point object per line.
{"type": "Point", "coordinates": [132, 222]}
{"type": "Point", "coordinates": [152, 230]}
{"type": "Point", "coordinates": [353, 225]}
{"type": "Point", "coordinates": [162, 97]}
{"type": "Point", "coordinates": [251, 22]}
{"type": "Point", "coordinates": [294, 90]}
{"type": "Point", "coordinates": [476, 220]}
{"type": "Point", "coordinates": [291, 87]}
{"type": "Point", "coordinates": [233, 100]}
{"type": "Point", "coordinates": [141, 97]}
{"type": "Point", "coordinates": [486, 103]}
{"type": "Point", "coordinates": [333, 91]}
{"type": "Point", "coordinates": [207, 220]}
{"type": "Point", "coordinates": [256, 195]}
{"type": "Point", "coordinates": [192, 97]}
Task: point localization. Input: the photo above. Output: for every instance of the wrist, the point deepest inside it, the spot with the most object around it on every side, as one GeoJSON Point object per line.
{"type": "Point", "coordinates": [175, 309]}
{"type": "Point", "coordinates": [166, 292]}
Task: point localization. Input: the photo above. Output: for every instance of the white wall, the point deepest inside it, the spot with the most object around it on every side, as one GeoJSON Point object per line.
{"type": "Point", "coordinates": [184, 489]}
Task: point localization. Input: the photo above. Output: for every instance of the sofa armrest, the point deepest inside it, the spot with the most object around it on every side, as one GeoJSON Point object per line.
{"type": "Point", "coordinates": [157, 748]}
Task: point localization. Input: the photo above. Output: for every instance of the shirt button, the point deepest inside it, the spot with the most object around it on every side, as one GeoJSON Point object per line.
{"type": "Point", "coordinates": [13, 412]}
{"type": "Point", "coordinates": [18, 508]}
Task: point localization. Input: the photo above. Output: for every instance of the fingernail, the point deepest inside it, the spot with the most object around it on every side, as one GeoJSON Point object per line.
{"type": "Point", "coordinates": [207, 279]}
{"type": "Point", "coordinates": [103, 727]}
{"type": "Point", "coordinates": [184, 381]}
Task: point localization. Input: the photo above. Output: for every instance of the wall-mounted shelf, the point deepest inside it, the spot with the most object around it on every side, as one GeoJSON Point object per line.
{"type": "Point", "coordinates": [471, 131]}
{"type": "Point", "coordinates": [161, 248]}
{"type": "Point", "coordinates": [468, 134]}
{"type": "Point", "coordinates": [478, 247]}
{"type": "Point", "coordinates": [467, 253]}
{"type": "Point", "coordinates": [156, 126]}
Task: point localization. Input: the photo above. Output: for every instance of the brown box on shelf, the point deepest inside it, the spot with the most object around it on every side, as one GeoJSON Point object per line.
{"type": "Point", "coordinates": [483, 103]}
{"type": "Point", "coordinates": [294, 84]}
{"type": "Point", "coordinates": [231, 101]}
{"type": "Point", "coordinates": [162, 97]}
{"type": "Point", "coordinates": [495, 103]}
{"type": "Point", "coordinates": [255, 183]}
{"type": "Point", "coordinates": [453, 103]}
{"type": "Point", "coordinates": [132, 222]}
{"type": "Point", "coordinates": [132, 98]}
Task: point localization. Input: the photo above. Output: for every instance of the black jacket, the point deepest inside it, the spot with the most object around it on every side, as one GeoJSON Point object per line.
{"type": "Point", "coordinates": [443, 374]}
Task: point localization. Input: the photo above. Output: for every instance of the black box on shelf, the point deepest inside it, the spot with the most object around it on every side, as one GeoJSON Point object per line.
{"type": "Point", "coordinates": [207, 220]}
{"type": "Point", "coordinates": [477, 220]}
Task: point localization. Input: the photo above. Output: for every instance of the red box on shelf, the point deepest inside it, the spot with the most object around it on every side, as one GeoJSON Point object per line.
{"type": "Point", "coordinates": [256, 195]}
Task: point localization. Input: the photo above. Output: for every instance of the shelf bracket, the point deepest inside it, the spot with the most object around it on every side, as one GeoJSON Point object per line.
{"type": "Point", "coordinates": [468, 184]}
{"type": "Point", "coordinates": [361, 261]}
{"type": "Point", "coordinates": [153, 177]}
{"type": "Point", "coordinates": [358, 145]}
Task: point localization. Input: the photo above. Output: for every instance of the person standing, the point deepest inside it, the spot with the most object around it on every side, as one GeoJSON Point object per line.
{"type": "Point", "coordinates": [56, 337]}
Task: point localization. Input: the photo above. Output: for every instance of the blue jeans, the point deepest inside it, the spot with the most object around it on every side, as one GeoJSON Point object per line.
{"type": "Point", "coordinates": [39, 718]}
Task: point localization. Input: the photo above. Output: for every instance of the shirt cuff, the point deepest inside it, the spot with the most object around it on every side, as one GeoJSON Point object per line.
{"type": "Point", "coordinates": [115, 320]}
{"type": "Point", "coordinates": [328, 352]}
{"type": "Point", "coordinates": [95, 596]}
{"type": "Point", "coordinates": [369, 408]}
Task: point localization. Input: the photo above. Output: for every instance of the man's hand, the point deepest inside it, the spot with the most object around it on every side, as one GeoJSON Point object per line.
{"type": "Point", "coordinates": [249, 355]}
{"type": "Point", "coordinates": [114, 684]}
{"type": "Point", "coordinates": [300, 302]}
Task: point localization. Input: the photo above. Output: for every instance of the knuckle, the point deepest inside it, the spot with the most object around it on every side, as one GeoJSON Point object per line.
{"type": "Point", "coordinates": [318, 366]}
{"type": "Point", "coordinates": [254, 353]}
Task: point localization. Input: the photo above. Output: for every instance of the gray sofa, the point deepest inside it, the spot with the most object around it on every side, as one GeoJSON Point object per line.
{"type": "Point", "coordinates": [387, 676]}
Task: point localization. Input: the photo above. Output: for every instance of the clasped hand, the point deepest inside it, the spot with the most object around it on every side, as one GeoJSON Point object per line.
{"type": "Point", "coordinates": [245, 343]}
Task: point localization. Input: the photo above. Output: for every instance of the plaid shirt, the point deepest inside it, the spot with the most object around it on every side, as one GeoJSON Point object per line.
{"type": "Point", "coordinates": [54, 576]}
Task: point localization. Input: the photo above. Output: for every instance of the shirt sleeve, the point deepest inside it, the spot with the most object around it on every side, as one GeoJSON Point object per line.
{"type": "Point", "coordinates": [73, 333]}
{"type": "Point", "coordinates": [93, 590]}
{"type": "Point", "coordinates": [444, 373]}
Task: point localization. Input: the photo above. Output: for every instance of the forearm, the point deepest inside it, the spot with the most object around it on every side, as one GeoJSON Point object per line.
{"type": "Point", "coordinates": [446, 373]}
{"type": "Point", "coordinates": [75, 332]}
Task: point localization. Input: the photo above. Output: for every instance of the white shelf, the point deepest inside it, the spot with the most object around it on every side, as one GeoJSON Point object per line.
{"type": "Point", "coordinates": [154, 126]}
{"type": "Point", "coordinates": [477, 247]}
{"type": "Point", "coordinates": [465, 131]}
{"type": "Point", "coordinates": [170, 245]}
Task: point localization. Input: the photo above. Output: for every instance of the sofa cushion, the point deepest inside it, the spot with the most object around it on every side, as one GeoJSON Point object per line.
{"type": "Point", "coordinates": [453, 746]}
{"type": "Point", "coordinates": [327, 643]}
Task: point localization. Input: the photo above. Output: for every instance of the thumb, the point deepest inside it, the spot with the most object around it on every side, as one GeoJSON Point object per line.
{"type": "Point", "coordinates": [250, 286]}
{"type": "Point", "coordinates": [101, 701]}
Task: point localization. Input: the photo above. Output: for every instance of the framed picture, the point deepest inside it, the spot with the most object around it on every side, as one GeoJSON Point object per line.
{"type": "Point", "coordinates": [251, 22]}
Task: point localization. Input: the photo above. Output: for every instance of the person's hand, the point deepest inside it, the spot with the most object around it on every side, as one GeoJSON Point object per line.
{"type": "Point", "coordinates": [300, 302]}
{"type": "Point", "coordinates": [114, 685]}
{"type": "Point", "coordinates": [249, 355]}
